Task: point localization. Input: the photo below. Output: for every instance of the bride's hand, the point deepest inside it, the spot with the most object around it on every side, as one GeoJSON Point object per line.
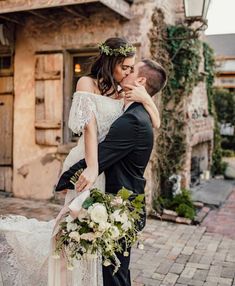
{"type": "Point", "coordinates": [87, 179]}
{"type": "Point", "coordinates": [137, 93]}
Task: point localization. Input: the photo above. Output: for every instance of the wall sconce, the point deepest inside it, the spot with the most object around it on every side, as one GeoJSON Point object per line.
{"type": "Point", "coordinates": [196, 11]}
{"type": "Point", "coordinates": [77, 68]}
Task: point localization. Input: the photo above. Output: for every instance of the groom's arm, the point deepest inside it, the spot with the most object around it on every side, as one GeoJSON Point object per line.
{"type": "Point", "coordinates": [119, 141]}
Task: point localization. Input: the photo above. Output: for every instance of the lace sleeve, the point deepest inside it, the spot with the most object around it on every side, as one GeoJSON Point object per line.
{"type": "Point", "coordinates": [82, 109]}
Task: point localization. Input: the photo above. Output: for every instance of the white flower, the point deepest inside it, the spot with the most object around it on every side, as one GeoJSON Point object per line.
{"type": "Point", "coordinates": [75, 235]}
{"type": "Point", "coordinates": [126, 225]}
{"type": "Point", "coordinates": [117, 201]}
{"type": "Point", "coordinates": [69, 218]}
{"type": "Point", "coordinates": [114, 232]}
{"type": "Point", "coordinates": [120, 217]}
{"type": "Point", "coordinates": [98, 234]}
{"type": "Point", "coordinates": [126, 253]}
{"type": "Point", "coordinates": [88, 236]}
{"type": "Point", "coordinates": [106, 263]}
{"type": "Point", "coordinates": [91, 224]}
{"type": "Point", "coordinates": [103, 226]}
{"type": "Point", "coordinates": [98, 213]}
{"type": "Point", "coordinates": [71, 226]}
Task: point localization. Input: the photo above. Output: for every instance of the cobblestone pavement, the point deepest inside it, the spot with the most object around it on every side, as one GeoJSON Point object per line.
{"type": "Point", "coordinates": [174, 254]}
{"type": "Point", "coordinates": [222, 220]}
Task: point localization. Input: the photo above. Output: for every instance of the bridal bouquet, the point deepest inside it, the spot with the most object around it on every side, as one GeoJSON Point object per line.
{"type": "Point", "coordinates": [105, 224]}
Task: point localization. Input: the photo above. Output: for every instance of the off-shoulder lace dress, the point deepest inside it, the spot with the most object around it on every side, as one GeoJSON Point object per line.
{"type": "Point", "coordinates": [25, 243]}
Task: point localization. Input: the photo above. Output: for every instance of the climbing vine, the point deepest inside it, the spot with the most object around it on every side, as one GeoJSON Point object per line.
{"type": "Point", "coordinates": [181, 59]}
{"type": "Point", "coordinates": [209, 65]}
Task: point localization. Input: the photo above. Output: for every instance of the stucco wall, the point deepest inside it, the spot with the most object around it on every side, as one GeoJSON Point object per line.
{"type": "Point", "coordinates": [35, 167]}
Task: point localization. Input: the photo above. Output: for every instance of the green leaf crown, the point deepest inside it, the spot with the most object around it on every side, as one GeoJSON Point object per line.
{"type": "Point", "coordinates": [123, 50]}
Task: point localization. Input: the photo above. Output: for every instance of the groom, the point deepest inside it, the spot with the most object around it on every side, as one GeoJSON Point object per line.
{"type": "Point", "coordinates": [125, 152]}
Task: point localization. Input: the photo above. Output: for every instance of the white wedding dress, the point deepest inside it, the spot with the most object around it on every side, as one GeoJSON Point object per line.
{"type": "Point", "coordinates": [25, 243]}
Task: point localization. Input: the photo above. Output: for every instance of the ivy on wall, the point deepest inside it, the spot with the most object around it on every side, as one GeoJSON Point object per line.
{"type": "Point", "coordinates": [209, 65]}
{"type": "Point", "coordinates": [181, 57]}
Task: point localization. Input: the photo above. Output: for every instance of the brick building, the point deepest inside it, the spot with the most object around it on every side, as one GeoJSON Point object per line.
{"type": "Point", "coordinates": [44, 48]}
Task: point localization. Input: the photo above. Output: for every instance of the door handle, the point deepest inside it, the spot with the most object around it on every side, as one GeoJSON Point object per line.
{"type": "Point", "coordinates": [2, 103]}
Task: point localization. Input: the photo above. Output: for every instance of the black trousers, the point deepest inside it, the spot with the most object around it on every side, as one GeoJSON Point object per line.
{"type": "Point", "coordinates": [122, 277]}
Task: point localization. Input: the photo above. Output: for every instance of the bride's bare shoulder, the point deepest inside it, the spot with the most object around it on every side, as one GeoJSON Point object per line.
{"type": "Point", "coordinates": [86, 83]}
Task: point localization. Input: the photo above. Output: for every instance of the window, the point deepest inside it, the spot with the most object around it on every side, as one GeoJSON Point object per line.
{"type": "Point", "coordinates": [5, 64]}
{"type": "Point", "coordinates": [76, 65]}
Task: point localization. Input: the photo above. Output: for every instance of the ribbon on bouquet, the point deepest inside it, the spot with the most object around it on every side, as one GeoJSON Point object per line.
{"type": "Point", "coordinates": [76, 204]}
{"type": "Point", "coordinates": [60, 266]}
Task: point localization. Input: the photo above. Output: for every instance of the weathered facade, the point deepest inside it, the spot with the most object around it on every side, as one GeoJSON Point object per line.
{"type": "Point", "coordinates": [44, 49]}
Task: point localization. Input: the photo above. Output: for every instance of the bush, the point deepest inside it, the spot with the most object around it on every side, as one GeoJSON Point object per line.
{"type": "Point", "coordinates": [228, 153]}
{"type": "Point", "coordinates": [181, 203]}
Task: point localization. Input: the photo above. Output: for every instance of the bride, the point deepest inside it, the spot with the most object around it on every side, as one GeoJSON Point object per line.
{"type": "Point", "coordinates": [25, 253]}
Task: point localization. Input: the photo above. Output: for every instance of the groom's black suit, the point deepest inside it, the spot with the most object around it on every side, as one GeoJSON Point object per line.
{"type": "Point", "coordinates": [123, 156]}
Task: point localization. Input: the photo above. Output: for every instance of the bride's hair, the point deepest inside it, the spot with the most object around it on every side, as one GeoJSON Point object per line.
{"type": "Point", "coordinates": [112, 52]}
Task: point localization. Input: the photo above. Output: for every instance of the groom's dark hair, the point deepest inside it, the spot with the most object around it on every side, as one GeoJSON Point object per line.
{"type": "Point", "coordinates": [155, 75]}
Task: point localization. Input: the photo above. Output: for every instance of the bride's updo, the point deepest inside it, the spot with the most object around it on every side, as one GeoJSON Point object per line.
{"type": "Point", "coordinates": [112, 52]}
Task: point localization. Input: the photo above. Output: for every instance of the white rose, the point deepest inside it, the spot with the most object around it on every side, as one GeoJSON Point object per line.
{"type": "Point", "coordinates": [115, 216]}
{"type": "Point", "coordinates": [126, 225]}
{"type": "Point", "coordinates": [98, 213]}
{"type": "Point", "coordinates": [103, 226]}
{"type": "Point", "coordinates": [75, 235]}
{"type": "Point", "coordinates": [124, 218]}
{"type": "Point", "coordinates": [71, 226]}
{"type": "Point", "coordinates": [114, 232]}
{"type": "Point", "coordinates": [120, 217]}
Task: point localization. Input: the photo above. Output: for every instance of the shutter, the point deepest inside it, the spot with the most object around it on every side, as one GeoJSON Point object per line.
{"type": "Point", "coordinates": [49, 99]}
{"type": "Point", "coordinates": [6, 125]}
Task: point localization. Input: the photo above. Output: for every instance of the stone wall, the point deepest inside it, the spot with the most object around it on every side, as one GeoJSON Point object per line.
{"type": "Point", "coordinates": [36, 168]}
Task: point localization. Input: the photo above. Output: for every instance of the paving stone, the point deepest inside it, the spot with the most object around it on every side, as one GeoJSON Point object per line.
{"type": "Point", "coordinates": [177, 268]}
{"type": "Point", "coordinates": [188, 272]}
{"type": "Point", "coordinates": [215, 271]}
{"type": "Point", "coordinates": [182, 258]}
{"type": "Point", "coordinates": [200, 274]}
{"type": "Point", "coordinates": [164, 267]}
{"type": "Point", "coordinates": [158, 276]}
{"type": "Point", "coordinates": [198, 265]}
{"type": "Point", "coordinates": [195, 258]}
{"type": "Point", "coordinates": [210, 284]}
{"type": "Point", "coordinates": [170, 279]}
{"type": "Point", "coordinates": [227, 272]}
{"type": "Point", "coordinates": [195, 283]}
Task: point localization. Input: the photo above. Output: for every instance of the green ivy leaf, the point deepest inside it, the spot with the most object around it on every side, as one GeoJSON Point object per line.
{"type": "Point", "coordinates": [124, 194]}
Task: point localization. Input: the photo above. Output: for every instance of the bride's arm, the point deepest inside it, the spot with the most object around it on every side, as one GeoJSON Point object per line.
{"type": "Point", "coordinates": [90, 136]}
{"type": "Point", "coordinates": [139, 94]}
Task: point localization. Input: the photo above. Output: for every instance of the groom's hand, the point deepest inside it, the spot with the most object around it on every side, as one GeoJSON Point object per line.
{"type": "Point", "coordinates": [86, 179]}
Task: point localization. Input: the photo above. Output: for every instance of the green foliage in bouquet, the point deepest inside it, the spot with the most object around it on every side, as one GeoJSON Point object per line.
{"type": "Point", "coordinates": [180, 203]}
{"type": "Point", "coordinates": [105, 225]}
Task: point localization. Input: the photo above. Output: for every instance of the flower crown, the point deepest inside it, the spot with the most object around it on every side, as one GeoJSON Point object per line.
{"type": "Point", "coordinates": [123, 50]}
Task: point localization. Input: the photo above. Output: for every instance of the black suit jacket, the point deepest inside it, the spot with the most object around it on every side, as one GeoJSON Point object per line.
{"type": "Point", "coordinates": [124, 153]}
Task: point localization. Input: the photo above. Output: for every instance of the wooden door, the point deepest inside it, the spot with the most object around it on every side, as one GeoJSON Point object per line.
{"type": "Point", "coordinates": [6, 125]}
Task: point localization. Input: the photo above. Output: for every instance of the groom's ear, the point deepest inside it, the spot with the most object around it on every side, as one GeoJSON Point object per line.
{"type": "Point", "coordinates": [141, 80]}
